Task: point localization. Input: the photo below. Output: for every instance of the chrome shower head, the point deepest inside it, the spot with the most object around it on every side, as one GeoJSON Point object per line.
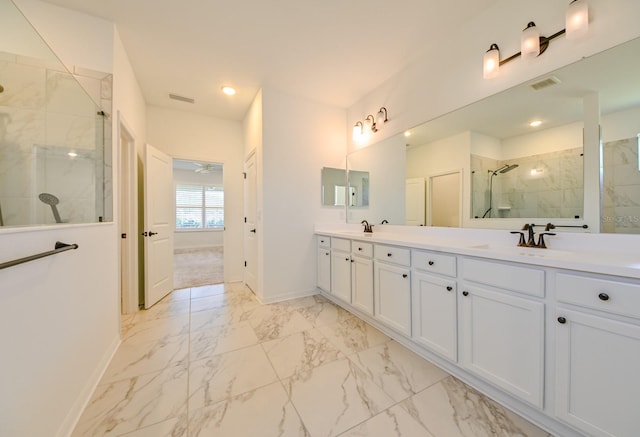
{"type": "Point", "coordinates": [507, 168]}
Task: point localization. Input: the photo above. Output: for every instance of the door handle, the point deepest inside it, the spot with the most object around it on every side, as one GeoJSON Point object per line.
{"type": "Point", "coordinates": [148, 234]}
{"type": "Point", "coordinates": [253, 230]}
{"type": "Point", "coordinates": [151, 234]}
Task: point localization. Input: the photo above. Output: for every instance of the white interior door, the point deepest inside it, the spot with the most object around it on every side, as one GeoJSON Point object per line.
{"type": "Point", "coordinates": [128, 221]}
{"type": "Point", "coordinates": [445, 196]}
{"type": "Point", "coordinates": [159, 216]}
{"type": "Point", "coordinates": [250, 206]}
{"type": "Point", "coordinates": [415, 201]}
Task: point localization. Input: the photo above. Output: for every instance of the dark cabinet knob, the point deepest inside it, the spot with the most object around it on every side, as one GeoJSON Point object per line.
{"type": "Point", "coordinates": [465, 293]}
{"type": "Point", "coordinates": [322, 241]}
{"type": "Point", "coordinates": [603, 296]}
{"type": "Point", "coordinates": [404, 275]}
{"type": "Point", "coordinates": [388, 254]}
{"type": "Point", "coordinates": [346, 259]}
{"type": "Point", "coordinates": [449, 288]}
{"type": "Point", "coordinates": [352, 261]}
{"type": "Point", "coordinates": [360, 248]}
{"type": "Point", "coordinates": [327, 253]}
{"type": "Point", "coordinates": [562, 320]}
{"type": "Point", "coordinates": [431, 263]}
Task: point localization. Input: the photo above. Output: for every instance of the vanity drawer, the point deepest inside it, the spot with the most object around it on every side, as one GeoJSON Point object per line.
{"type": "Point", "coordinates": [434, 262]}
{"type": "Point", "coordinates": [324, 241]}
{"type": "Point", "coordinates": [393, 254]}
{"type": "Point", "coordinates": [341, 244]}
{"type": "Point", "coordinates": [510, 277]}
{"type": "Point", "coordinates": [600, 294]}
{"type": "Point", "coordinates": [362, 248]}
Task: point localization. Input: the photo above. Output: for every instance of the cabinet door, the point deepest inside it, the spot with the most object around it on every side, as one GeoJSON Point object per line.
{"type": "Point", "coordinates": [392, 292]}
{"type": "Point", "coordinates": [501, 339]}
{"type": "Point", "coordinates": [324, 269]}
{"type": "Point", "coordinates": [597, 383]}
{"type": "Point", "coordinates": [362, 283]}
{"type": "Point", "coordinates": [341, 275]}
{"type": "Point", "coordinates": [434, 318]}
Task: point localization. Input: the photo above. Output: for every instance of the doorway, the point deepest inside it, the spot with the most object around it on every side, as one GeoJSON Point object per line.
{"type": "Point", "coordinates": [198, 257]}
{"type": "Point", "coordinates": [250, 225]}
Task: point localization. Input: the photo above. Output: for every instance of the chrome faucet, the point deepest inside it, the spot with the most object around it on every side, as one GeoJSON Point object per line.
{"type": "Point", "coordinates": [367, 227]}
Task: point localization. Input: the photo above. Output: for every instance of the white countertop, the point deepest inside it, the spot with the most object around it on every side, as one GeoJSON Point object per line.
{"type": "Point", "coordinates": [609, 262]}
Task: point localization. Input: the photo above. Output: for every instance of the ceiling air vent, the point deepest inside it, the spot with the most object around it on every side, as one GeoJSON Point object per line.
{"type": "Point", "coordinates": [544, 83]}
{"type": "Point", "coordinates": [181, 98]}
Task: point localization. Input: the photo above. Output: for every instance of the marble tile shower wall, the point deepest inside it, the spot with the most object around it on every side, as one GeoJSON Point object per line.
{"type": "Point", "coordinates": [44, 114]}
{"type": "Point", "coordinates": [621, 181]}
{"type": "Point", "coordinates": [544, 185]}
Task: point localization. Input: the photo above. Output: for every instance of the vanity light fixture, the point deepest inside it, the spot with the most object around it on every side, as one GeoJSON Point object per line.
{"type": "Point", "coordinates": [371, 123]}
{"type": "Point", "coordinates": [533, 45]}
{"type": "Point", "coordinates": [358, 131]}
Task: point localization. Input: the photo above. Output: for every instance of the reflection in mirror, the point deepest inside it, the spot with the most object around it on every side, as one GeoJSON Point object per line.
{"type": "Point", "coordinates": [334, 186]}
{"type": "Point", "coordinates": [358, 188]}
{"type": "Point", "coordinates": [552, 170]}
{"type": "Point", "coordinates": [55, 154]}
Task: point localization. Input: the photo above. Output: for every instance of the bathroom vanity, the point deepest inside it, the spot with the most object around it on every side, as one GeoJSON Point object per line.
{"type": "Point", "coordinates": [553, 334]}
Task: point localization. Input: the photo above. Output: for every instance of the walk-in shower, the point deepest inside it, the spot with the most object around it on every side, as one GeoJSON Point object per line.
{"type": "Point", "coordinates": [504, 169]}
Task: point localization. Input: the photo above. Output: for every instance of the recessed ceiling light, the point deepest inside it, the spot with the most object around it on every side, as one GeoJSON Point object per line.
{"type": "Point", "coordinates": [535, 123]}
{"type": "Point", "coordinates": [230, 91]}
{"type": "Point", "coordinates": [407, 133]}
{"type": "Point", "coordinates": [72, 154]}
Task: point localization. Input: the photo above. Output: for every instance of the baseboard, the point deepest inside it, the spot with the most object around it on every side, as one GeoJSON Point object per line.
{"type": "Point", "coordinates": [288, 296]}
{"type": "Point", "coordinates": [72, 418]}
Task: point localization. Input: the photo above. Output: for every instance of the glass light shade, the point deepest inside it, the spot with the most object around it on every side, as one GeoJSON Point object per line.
{"type": "Point", "coordinates": [381, 117]}
{"type": "Point", "coordinates": [357, 131]}
{"type": "Point", "coordinates": [530, 42]}
{"type": "Point", "coordinates": [577, 19]}
{"type": "Point", "coordinates": [491, 62]}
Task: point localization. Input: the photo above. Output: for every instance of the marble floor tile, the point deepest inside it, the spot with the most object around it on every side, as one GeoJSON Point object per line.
{"type": "Point", "coordinates": [335, 397]}
{"type": "Point", "coordinates": [176, 427]}
{"type": "Point", "coordinates": [221, 339]}
{"type": "Point", "coordinates": [210, 319]}
{"type": "Point", "coordinates": [137, 358]}
{"type": "Point", "coordinates": [222, 376]}
{"type": "Point", "coordinates": [208, 290]}
{"type": "Point", "coordinates": [276, 321]}
{"type": "Point", "coordinates": [451, 408]}
{"type": "Point", "coordinates": [264, 412]}
{"type": "Point", "coordinates": [393, 422]}
{"type": "Point", "coordinates": [157, 329]}
{"type": "Point", "coordinates": [163, 309]}
{"type": "Point", "coordinates": [353, 335]}
{"type": "Point", "coordinates": [297, 354]}
{"type": "Point", "coordinates": [323, 312]}
{"type": "Point", "coordinates": [135, 403]}
{"type": "Point", "coordinates": [127, 321]}
{"type": "Point", "coordinates": [398, 371]}
{"type": "Point", "coordinates": [175, 295]}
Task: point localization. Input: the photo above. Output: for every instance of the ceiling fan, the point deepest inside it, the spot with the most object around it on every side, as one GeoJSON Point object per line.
{"type": "Point", "coordinates": [204, 168]}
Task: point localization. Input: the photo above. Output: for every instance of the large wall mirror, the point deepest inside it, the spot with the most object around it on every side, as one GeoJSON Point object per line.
{"type": "Point", "coordinates": [521, 156]}
{"type": "Point", "coordinates": [55, 133]}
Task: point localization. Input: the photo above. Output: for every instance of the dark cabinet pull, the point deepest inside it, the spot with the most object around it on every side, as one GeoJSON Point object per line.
{"type": "Point", "coordinates": [562, 320]}
{"type": "Point", "coordinates": [322, 241]}
{"type": "Point", "coordinates": [431, 263]}
{"type": "Point", "coordinates": [465, 293]}
{"type": "Point", "coordinates": [603, 296]}
{"type": "Point", "coordinates": [352, 261]}
{"type": "Point", "coordinates": [388, 254]}
{"type": "Point", "coordinates": [404, 275]}
{"type": "Point", "coordinates": [449, 288]}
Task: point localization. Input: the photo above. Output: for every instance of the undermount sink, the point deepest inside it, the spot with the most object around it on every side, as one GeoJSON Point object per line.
{"type": "Point", "coordinates": [523, 251]}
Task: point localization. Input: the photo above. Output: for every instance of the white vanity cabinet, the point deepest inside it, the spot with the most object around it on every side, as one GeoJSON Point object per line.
{"type": "Point", "coordinates": [362, 276]}
{"type": "Point", "coordinates": [341, 268]}
{"type": "Point", "coordinates": [597, 356]}
{"type": "Point", "coordinates": [434, 302]}
{"type": "Point", "coordinates": [392, 287]}
{"type": "Point", "coordinates": [323, 267]}
{"type": "Point", "coordinates": [501, 330]}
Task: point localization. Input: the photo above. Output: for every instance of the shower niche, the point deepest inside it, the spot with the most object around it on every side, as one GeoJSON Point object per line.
{"type": "Point", "coordinates": [55, 133]}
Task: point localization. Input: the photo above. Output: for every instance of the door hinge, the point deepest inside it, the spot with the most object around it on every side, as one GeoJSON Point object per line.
{"type": "Point", "coordinates": [123, 235]}
{"type": "Point", "coordinates": [244, 175]}
{"type": "Point", "coordinates": [245, 263]}
{"type": "Point", "coordinates": [245, 219]}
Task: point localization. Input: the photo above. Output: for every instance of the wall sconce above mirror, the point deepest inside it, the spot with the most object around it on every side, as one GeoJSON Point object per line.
{"type": "Point", "coordinates": [361, 131]}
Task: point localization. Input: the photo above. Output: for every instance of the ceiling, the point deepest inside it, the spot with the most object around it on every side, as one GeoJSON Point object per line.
{"type": "Point", "coordinates": [330, 51]}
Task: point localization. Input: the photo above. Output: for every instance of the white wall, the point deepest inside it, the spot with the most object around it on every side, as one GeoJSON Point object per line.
{"type": "Point", "coordinates": [59, 316]}
{"type": "Point", "coordinates": [299, 138]}
{"type": "Point", "coordinates": [187, 135]}
{"type": "Point", "coordinates": [568, 136]}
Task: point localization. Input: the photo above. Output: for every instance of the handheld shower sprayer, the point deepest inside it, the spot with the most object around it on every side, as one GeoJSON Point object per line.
{"type": "Point", "coordinates": [52, 201]}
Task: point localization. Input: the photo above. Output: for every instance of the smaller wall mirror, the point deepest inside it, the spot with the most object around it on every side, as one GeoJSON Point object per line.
{"type": "Point", "coordinates": [358, 188]}
{"type": "Point", "coordinates": [333, 186]}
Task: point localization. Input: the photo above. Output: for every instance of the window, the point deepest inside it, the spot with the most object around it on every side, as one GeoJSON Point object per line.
{"type": "Point", "coordinates": [199, 207]}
